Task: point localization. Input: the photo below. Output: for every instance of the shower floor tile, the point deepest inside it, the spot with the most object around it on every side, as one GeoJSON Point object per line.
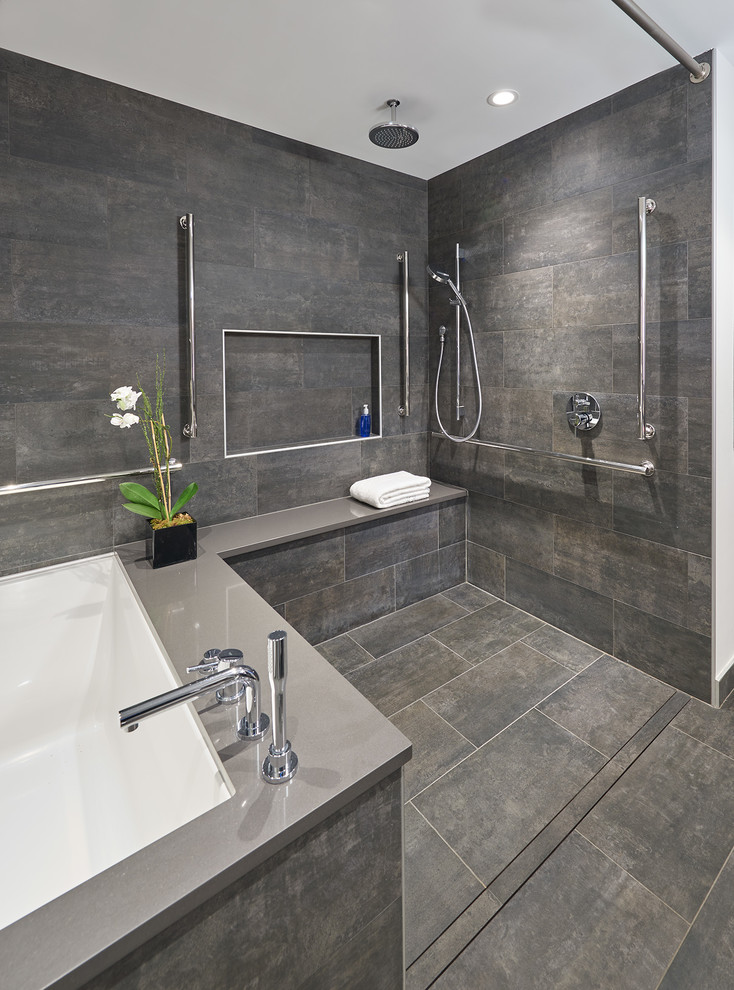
{"type": "Point", "coordinates": [493, 803]}
{"type": "Point", "coordinates": [392, 631]}
{"type": "Point", "coordinates": [486, 699]}
{"type": "Point", "coordinates": [606, 703]}
{"type": "Point", "coordinates": [397, 679]}
{"type": "Point", "coordinates": [579, 922]}
{"type": "Point", "coordinates": [523, 765]}
{"type": "Point", "coordinates": [438, 886]}
{"type": "Point", "coordinates": [669, 821]}
{"type": "Point", "coordinates": [437, 747]}
{"type": "Point", "coordinates": [486, 631]}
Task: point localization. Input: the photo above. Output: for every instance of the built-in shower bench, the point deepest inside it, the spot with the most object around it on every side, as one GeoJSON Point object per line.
{"type": "Point", "coordinates": [331, 566]}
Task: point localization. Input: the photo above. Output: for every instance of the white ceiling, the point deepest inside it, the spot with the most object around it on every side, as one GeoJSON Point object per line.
{"type": "Point", "coordinates": [320, 71]}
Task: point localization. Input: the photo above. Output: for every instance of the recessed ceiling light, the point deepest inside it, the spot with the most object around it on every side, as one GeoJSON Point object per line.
{"type": "Point", "coordinates": [502, 97]}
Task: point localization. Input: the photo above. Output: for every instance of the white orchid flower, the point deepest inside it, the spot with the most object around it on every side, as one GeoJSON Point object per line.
{"type": "Point", "coordinates": [125, 397]}
{"type": "Point", "coordinates": [125, 421]}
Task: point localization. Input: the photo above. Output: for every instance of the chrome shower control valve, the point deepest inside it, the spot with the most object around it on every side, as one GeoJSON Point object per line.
{"type": "Point", "coordinates": [583, 412]}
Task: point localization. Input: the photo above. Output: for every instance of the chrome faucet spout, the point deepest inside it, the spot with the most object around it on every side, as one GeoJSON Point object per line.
{"type": "Point", "coordinates": [242, 677]}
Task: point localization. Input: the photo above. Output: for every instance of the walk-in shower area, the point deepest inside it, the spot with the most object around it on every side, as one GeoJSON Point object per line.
{"type": "Point", "coordinates": [584, 253]}
{"type": "Point", "coordinates": [542, 770]}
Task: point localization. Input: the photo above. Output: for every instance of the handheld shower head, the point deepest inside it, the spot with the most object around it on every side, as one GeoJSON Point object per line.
{"type": "Point", "coordinates": [444, 279]}
{"type": "Point", "coordinates": [440, 276]}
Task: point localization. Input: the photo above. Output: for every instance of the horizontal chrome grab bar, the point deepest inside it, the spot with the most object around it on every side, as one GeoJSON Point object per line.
{"type": "Point", "coordinates": [94, 479]}
{"type": "Point", "coordinates": [647, 468]}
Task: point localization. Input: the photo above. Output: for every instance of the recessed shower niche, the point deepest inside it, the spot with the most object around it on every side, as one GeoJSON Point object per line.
{"type": "Point", "coordinates": [284, 389]}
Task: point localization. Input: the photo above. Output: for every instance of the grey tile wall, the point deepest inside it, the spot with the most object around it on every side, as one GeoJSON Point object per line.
{"type": "Point", "coordinates": [550, 275]}
{"type": "Point", "coordinates": [288, 237]}
{"type": "Point", "coordinates": [333, 928]}
{"type": "Point", "coordinates": [325, 585]}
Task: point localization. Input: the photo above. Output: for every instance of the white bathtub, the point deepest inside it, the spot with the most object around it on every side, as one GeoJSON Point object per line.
{"type": "Point", "coordinates": [76, 793]}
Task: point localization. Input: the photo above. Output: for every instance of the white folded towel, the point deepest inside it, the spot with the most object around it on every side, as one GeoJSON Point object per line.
{"type": "Point", "coordinates": [386, 490]}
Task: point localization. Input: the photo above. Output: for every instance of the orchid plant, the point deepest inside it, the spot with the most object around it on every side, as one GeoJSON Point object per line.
{"type": "Point", "coordinates": [156, 506]}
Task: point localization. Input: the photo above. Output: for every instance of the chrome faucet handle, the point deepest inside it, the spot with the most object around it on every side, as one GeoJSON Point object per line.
{"type": "Point", "coordinates": [230, 695]}
{"type": "Point", "coordinates": [218, 660]}
{"type": "Point", "coordinates": [209, 663]}
{"type": "Point", "coordinates": [281, 762]}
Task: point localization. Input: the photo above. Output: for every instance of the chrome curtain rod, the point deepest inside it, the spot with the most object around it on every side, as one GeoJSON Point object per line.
{"type": "Point", "coordinates": [698, 70]}
{"type": "Point", "coordinates": [92, 479]}
{"type": "Point", "coordinates": [647, 468]}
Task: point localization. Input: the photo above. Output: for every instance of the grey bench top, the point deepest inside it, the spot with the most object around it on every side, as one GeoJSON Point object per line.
{"type": "Point", "coordinates": [272, 528]}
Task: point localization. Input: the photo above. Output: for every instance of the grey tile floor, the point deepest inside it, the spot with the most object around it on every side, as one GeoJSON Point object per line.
{"type": "Point", "coordinates": [569, 820]}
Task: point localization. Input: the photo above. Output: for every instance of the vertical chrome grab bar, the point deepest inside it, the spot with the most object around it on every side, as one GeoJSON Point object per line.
{"type": "Point", "coordinates": [404, 407]}
{"type": "Point", "coordinates": [187, 224]}
{"type": "Point", "coordinates": [644, 206]}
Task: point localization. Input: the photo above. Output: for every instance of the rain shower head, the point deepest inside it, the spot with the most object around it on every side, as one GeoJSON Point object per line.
{"type": "Point", "coordinates": [391, 134]}
{"type": "Point", "coordinates": [440, 276]}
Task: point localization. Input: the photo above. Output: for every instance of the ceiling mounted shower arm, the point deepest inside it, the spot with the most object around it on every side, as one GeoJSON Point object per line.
{"type": "Point", "coordinates": [698, 70]}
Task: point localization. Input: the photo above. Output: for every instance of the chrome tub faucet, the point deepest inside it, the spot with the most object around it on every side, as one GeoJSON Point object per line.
{"type": "Point", "coordinates": [226, 675]}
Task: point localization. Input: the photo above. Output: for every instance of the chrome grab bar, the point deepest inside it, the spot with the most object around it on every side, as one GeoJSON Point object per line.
{"type": "Point", "coordinates": [644, 206]}
{"type": "Point", "coordinates": [92, 479]}
{"type": "Point", "coordinates": [647, 468]}
{"type": "Point", "coordinates": [187, 224]}
{"type": "Point", "coordinates": [404, 407]}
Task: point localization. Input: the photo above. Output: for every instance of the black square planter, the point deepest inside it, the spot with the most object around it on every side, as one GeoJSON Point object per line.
{"type": "Point", "coordinates": [172, 545]}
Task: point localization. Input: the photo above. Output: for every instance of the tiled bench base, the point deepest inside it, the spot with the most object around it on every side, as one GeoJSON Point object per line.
{"type": "Point", "coordinates": [370, 563]}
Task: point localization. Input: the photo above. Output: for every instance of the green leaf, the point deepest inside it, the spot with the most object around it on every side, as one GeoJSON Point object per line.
{"type": "Point", "coordinates": [143, 510]}
{"type": "Point", "coordinates": [136, 493]}
{"type": "Point", "coordinates": [183, 498]}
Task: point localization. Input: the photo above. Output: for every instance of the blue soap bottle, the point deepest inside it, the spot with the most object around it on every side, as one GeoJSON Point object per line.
{"type": "Point", "coordinates": [365, 422]}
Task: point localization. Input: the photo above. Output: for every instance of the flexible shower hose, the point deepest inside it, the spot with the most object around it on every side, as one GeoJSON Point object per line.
{"type": "Point", "coordinates": [476, 372]}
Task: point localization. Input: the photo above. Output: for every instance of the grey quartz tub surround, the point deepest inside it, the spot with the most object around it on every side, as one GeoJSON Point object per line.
{"type": "Point", "coordinates": [345, 747]}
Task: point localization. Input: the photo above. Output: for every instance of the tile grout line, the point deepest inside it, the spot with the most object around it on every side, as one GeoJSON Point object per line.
{"type": "Point", "coordinates": [637, 880]}
{"type": "Point", "coordinates": [695, 917]}
{"type": "Point", "coordinates": [449, 846]}
{"type": "Point", "coordinates": [570, 732]}
{"type": "Point", "coordinates": [704, 743]}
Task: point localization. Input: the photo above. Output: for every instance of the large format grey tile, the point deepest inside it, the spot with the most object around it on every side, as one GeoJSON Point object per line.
{"type": "Point", "coordinates": [664, 649]}
{"type": "Point", "coordinates": [576, 610]}
{"type": "Point", "coordinates": [449, 944]}
{"type": "Point", "coordinates": [606, 703]}
{"type": "Point", "coordinates": [491, 805]}
{"type": "Point", "coordinates": [647, 575]}
{"type": "Point", "coordinates": [712, 726]}
{"type": "Point", "coordinates": [371, 960]}
{"type": "Point", "coordinates": [486, 631]}
{"type": "Point", "coordinates": [669, 821]}
{"type": "Point", "coordinates": [295, 569]}
{"type": "Point", "coordinates": [373, 545]}
{"type": "Point", "coordinates": [469, 597]}
{"type": "Point", "coordinates": [520, 531]}
{"type": "Point", "coordinates": [437, 747]}
{"type": "Point", "coordinates": [324, 614]}
{"type": "Point", "coordinates": [393, 631]}
{"type": "Point", "coordinates": [400, 678]}
{"type": "Point", "coordinates": [706, 957]}
{"type": "Point", "coordinates": [438, 886]}
{"type": "Point", "coordinates": [565, 649]}
{"type": "Point", "coordinates": [579, 922]}
{"type": "Point", "coordinates": [344, 654]}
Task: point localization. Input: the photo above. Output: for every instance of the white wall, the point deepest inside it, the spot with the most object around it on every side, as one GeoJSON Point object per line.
{"type": "Point", "coordinates": [723, 370]}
